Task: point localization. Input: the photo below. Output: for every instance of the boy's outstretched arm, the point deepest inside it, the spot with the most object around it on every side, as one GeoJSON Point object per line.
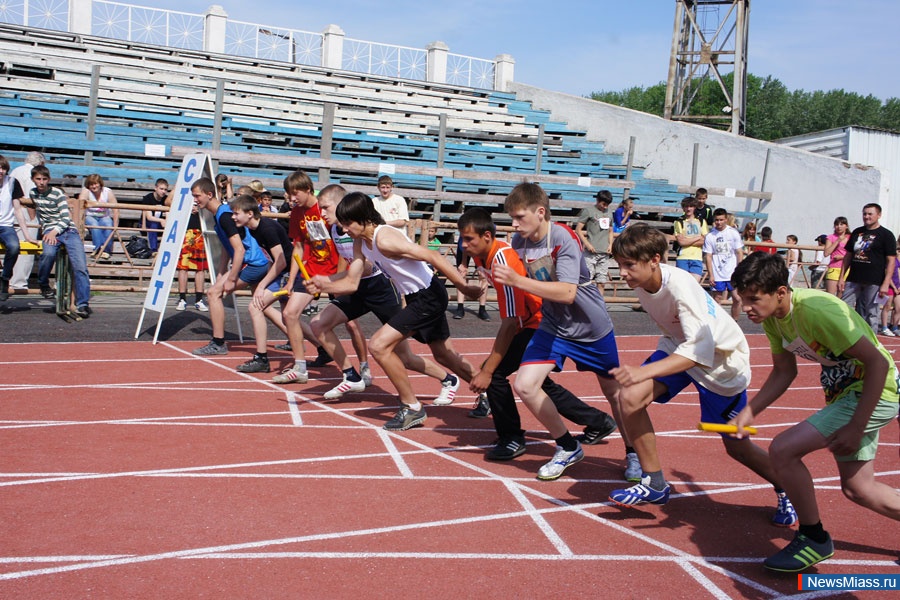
{"type": "Point", "coordinates": [784, 371]}
{"type": "Point", "coordinates": [554, 291]}
{"type": "Point", "coordinates": [674, 363]}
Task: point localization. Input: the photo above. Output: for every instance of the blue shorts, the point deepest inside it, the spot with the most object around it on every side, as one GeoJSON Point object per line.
{"type": "Point", "coordinates": [714, 408]}
{"type": "Point", "coordinates": [692, 266]}
{"type": "Point", "coordinates": [598, 357]}
{"type": "Point", "coordinates": [252, 274]}
{"type": "Point", "coordinates": [722, 286]}
{"type": "Point", "coordinates": [278, 283]}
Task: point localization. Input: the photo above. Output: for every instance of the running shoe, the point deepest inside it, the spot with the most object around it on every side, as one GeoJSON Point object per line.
{"type": "Point", "coordinates": [641, 493]}
{"type": "Point", "coordinates": [181, 305]}
{"type": "Point", "coordinates": [633, 470]}
{"type": "Point", "coordinates": [482, 407]}
{"type": "Point", "coordinates": [201, 305]}
{"type": "Point", "coordinates": [211, 349]}
{"type": "Point", "coordinates": [448, 392]}
{"type": "Point", "coordinates": [366, 375]}
{"type": "Point", "coordinates": [406, 418]}
{"type": "Point", "coordinates": [291, 375]}
{"type": "Point", "coordinates": [257, 364]}
{"type": "Point", "coordinates": [785, 515]}
{"type": "Point", "coordinates": [286, 347]}
{"type": "Point", "coordinates": [483, 314]}
{"type": "Point", "coordinates": [593, 436]}
{"type": "Point", "coordinates": [507, 448]}
{"type": "Point", "coordinates": [560, 462]}
{"type": "Point", "coordinates": [800, 554]}
{"type": "Point", "coordinates": [344, 387]}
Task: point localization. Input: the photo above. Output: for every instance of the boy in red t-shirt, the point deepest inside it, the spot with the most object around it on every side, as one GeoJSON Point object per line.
{"type": "Point", "coordinates": [314, 248]}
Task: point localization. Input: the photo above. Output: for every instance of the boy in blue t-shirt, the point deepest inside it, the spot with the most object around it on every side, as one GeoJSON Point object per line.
{"type": "Point", "coordinates": [860, 383]}
{"type": "Point", "coordinates": [249, 264]}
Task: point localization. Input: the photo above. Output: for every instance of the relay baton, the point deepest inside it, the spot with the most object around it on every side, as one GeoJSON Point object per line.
{"type": "Point", "coordinates": [302, 268]}
{"type": "Point", "coordinates": [280, 293]}
{"type": "Point", "coordinates": [721, 428]}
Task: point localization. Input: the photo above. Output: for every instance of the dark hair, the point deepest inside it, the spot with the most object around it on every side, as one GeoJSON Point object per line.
{"type": "Point", "coordinates": [529, 196]}
{"type": "Point", "coordinates": [298, 181]}
{"type": "Point", "coordinates": [385, 179]}
{"type": "Point", "coordinates": [688, 201]}
{"type": "Point", "coordinates": [40, 170]}
{"type": "Point", "coordinates": [701, 191]}
{"type": "Point", "coordinates": [821, 239]}
{"type": "Point", "coordinates": [4, 164]}
{"type": "Point", "coordinates": [357, 207]}
{"type": "Point", "coordinates": [604, 196]}
{"type": "Point", "coordinates": [841, 221]}
{"type": "Point", "coordinates": [765, 233]}
{"type": "Point", "coordinates": [720, 212]}
{"type": "Point", "coordinates": [761, 272]}
{"type": "Point", "coordinates": [873, 205]}
{"type": "Point", "coordinates": [640, 242]}
{"type": "Point", "coordinates": [245, 203]}
{"type": "Point", "coordinates": [205, 185]}
{"type": "Point", "coordinates": [161, 180]}
{"type": "Point", "coordinates": [479, 220]}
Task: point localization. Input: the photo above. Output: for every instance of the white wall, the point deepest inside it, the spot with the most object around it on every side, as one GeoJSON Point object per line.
{"type": "Point", "coordinates": [809, 190]}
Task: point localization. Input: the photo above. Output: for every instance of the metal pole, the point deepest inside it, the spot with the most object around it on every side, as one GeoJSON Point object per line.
{"type": "Point", "coordinates": [92, 111]}
{"type": "Point", "coordinates": [217, 114]}
{"type": "Point", "coordinates": [628, 165]}
{"type": "Point", "coordinates": [326, 142]}
{"type": "Point", "coordinates": [539, 151]}
{"type": "Point", "coordinates": [694, 165]}
{"type": "Point", "coordinates": [439, 181]}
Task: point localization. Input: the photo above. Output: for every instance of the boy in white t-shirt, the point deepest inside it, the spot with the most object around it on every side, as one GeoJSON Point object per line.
{"type": "Point", "coordinates": [390, 206]}
{"type": "Point", "coordinates": [700, 345]}
{"type": "Point", "coordinates": [723, 249]}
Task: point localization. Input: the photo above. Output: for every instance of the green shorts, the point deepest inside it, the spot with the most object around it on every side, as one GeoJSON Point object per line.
{"type": "Point", "coordinates": [838, 413]}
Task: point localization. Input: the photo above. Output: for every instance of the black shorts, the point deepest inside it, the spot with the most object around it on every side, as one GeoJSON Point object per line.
{"type": "Point", "coordinates": [375, 295]}
{"type": "Point", "coordinates": [425, 315]}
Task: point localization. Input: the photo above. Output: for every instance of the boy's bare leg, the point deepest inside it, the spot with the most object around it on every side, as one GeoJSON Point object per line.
{"type": "Point", "coordinates": [295, 329]}
{"type": "Point", "coordinates": [383, 348]}
{"type": "Point", "coordinates": [634, 400]}
{"type": "Point", "coordinates": [859, 485]}
{"type": "Point", "coordinates": [418, 363]}
{"type": "Point", "coordinates": [216, 307]}
{"type": "Point", "coordinates": [358, 340]}
{"type": "Point", "coordinates": [528, 387]}
{"type": "Point", "coordinates": [445, 355]}
{"type": "Point", "coordinates": [323, 325]}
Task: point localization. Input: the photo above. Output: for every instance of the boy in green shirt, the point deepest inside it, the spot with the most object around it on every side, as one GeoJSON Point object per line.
{"type": "Point", "coordinates": [860, 383]}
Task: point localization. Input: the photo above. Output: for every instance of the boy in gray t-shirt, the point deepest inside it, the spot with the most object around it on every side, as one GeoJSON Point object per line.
{"type": "Point", "coordinates": [593, 226]}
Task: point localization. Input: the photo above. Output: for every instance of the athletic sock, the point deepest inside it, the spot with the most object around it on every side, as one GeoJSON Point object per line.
{"type": "Point", "coordinates": [182, 296]}
{"type": "Point", "coordinates": [450, 379]}
{"type": "Point", "coordinates": [416, 407]}
{"type": "Point", "coordinates": [460, 306]}
{"type": "Point", "coordinates": [300, 365]}
{"type": "Point", "coordinates": [567, 442]}
{"type": "Point", "coordinates": [219, 341]}
{"type": "Point", "coordinates": [814, 532]}
{"type": "Point", "coordinates": [630, 450]}
{"type": "Point", "coordinates": [351, 375]}
{"type": "Point", "coordinates": [263, 355]}
{"type": "Point", "coordinates": [197, 298]}
{"type": "Point", "coordinates": [657, 480]}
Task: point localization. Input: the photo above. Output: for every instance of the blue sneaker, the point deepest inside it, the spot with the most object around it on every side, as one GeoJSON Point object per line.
{"type": "Point", "coordinates": [641, 493]}
{"type": "Point", "coordinates": [561, 461]}
{"type": "Point", "coordinates": [785, 515]}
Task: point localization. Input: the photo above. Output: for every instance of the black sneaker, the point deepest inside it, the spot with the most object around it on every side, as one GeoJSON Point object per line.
{"type": "Point", "coordinates": [483, 314]}
{"type": "Point", "coordinates": [284, 347]}
{"type": "Point", "coordinates": [459, 313]}
{"type": "Point", "coordinates": [800, 554]}
{"type": "Point", "coordinates": [406, 418]}
{"type": "Point", "coordinates": [482, 407]}
{"type": "Point", "coordinates": [311, 308]}
{"type": "Point", "coordinates": [48, 292]}
{"type": "Point", "coordinates": [593, 436]}
{"type": "Point", "coordinates": [4, 289]}
{"type": "Point", "coordinates": [83, 311]}
{"type": "Point", "coordinates": [507, 449]}
{"type": "Point", "coordinates": [257, 364]}
{"type": "Point", "coordinates": [322, 359]}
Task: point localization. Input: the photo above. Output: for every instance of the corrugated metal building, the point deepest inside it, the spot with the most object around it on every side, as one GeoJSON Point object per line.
{"type": "Point", "coordinates": [877, 148]}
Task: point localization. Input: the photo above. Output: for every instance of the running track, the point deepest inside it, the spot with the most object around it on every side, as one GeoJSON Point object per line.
{"type": "Point", "coordinates": [140, 471]}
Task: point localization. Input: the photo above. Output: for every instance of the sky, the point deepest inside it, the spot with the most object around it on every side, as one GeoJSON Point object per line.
{"type": "Point", "coordinates": [582, 46]}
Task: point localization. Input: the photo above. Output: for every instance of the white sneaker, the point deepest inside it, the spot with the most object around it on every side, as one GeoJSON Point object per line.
{"type": "Point", "coordinates": [561, 460]}
{"type": "Point", "coordinates": [291, 375]}
{"type": "Point", "coordinates": [201, 305]}
{"type": "Point", "coordinates": [181, 305]}
{"type": "Point", "coordinates": [345, 387]}
{"type": "Point", "coordinates": [633, 470]}
{"type": "Point", "coordinates": [448, 392]}
{"type": "Point", "coordinates": [366, 375]}
{"type": "Point", "coordinates": [885, 331]}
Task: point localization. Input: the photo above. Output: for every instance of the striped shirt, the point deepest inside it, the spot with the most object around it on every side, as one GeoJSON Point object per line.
{"type": "Point", "coordinates": [52, 210]}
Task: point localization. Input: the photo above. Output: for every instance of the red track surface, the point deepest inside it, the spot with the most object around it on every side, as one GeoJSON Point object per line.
{"type": "Point", "coordinates": [139, 471]}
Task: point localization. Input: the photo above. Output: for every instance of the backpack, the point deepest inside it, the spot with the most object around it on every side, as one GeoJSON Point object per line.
{"type": "Point", "coordinates": [137, 247]}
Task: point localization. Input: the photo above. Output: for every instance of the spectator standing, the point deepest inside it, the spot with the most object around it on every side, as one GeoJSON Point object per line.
{"type": "Point", "coordinates": [10, 212]}
{"type": "Point", "coordinates": [705, 212]}
{"type": "Point", "coordinates": [390, 206]}
{"type": "Point", "coordinates": [593, 227]}
{"type": "Point", "coordinates": [817, 272]}
{"type": "Point", "coordinates": [871, 253]}
{"type": "Point", "coordinates": [836, 249]}
{"type": "Point", "coordinates": [723, 249]}
{"type": "Point", "coordinates": [25, 264]}
{"type": "Point", "coordinates": [690, 233]}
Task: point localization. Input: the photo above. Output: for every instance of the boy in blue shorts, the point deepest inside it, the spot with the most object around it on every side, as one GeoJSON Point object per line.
{"type": "Point", "coordinates": [723, 249]}
{"type": "Point", "coordinates": [859, 378]}
{"type": "Point", "coordinates": [249, 263]}
{"type": "Point", "coordinates": [575, 323]}
{"type": "Point", "coordinates": [701, 345]}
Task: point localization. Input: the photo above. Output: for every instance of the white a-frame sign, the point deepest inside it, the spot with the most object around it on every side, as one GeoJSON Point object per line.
{"type": "Point", "coordinates": [193, 168]}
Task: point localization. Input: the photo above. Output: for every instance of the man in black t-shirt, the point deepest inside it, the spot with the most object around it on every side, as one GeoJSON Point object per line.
{"type": "Point", "coordinates": [871, 253]}
{"type": "Point", "coordinates": [154, 220]}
